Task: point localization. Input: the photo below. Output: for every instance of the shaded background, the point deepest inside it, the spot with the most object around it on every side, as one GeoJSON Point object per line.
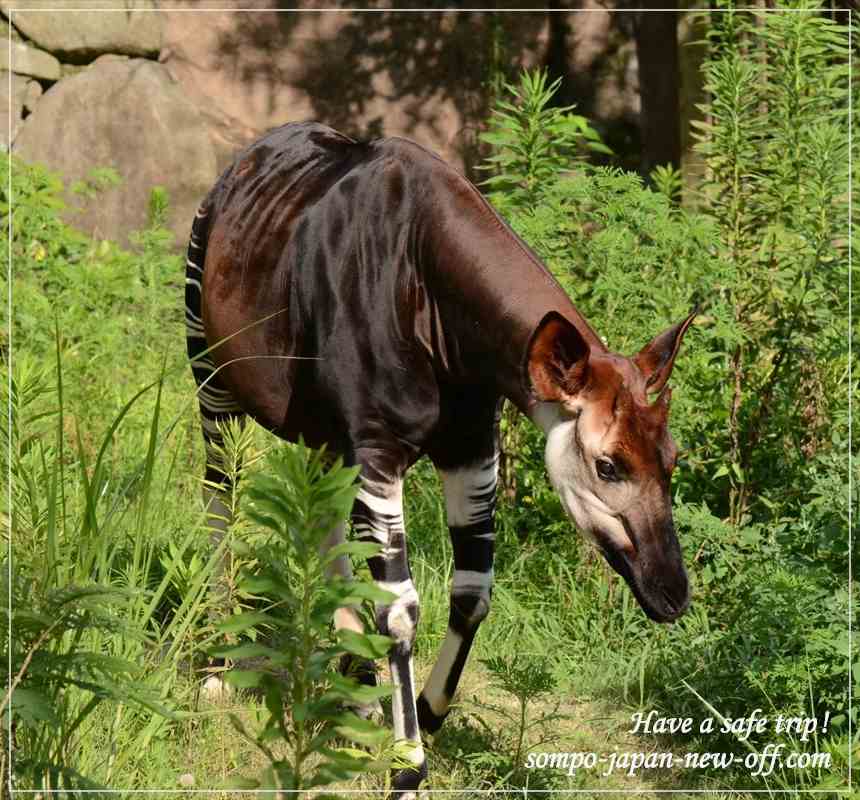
{"type": "Point", "coordinates": [165, 93]}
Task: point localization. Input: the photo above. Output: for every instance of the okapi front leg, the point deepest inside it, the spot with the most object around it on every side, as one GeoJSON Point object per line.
{"type": "Point", "coordinates": [470, 499]}
{"type": "Point", "coordinates": [378, 516]}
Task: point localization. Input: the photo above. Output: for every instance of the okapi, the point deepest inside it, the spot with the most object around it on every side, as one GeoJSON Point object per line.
{"type": "Point", "coordinates": [366, 297]}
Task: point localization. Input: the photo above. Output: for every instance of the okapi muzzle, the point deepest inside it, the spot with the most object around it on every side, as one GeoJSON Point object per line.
{"type": "Point", "coordinates": [655, 571]}
{"type": "Point", "coordinates": [610, 455]}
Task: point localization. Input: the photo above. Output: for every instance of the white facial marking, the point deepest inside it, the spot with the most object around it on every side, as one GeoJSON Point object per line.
{"type": "Point", "coordinates": [572, 474]}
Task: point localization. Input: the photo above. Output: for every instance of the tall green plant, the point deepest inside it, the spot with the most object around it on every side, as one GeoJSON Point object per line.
{"type": "Point", "coordinates": [82, 614]}
{"type": "Point", "coordinates": [533, 139]}
{"type": "Point", "coordinates": [298, 500]}
{"type": "Point", "coordinates": [775, 147]}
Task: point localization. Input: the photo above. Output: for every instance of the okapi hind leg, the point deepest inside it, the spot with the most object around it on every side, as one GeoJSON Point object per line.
{"type": "Point", "coordinates": [219, 485]}
{"type": "Point", "coordinates": [470, 500]}
{"type": "Point", "coordinates": [217, 406]}
{"type": "Point", "coordinates": [378, 516]}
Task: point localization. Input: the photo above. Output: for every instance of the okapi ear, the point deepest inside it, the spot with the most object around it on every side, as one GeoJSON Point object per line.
{"type": "Point", "coordinates": [657, 358]}
{"type": "Point", "coordinates": [556, 359]}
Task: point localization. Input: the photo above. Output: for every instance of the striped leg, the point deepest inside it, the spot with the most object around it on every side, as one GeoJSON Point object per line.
{"type": "Point", "coordinates": [378, 516]}
{"type": "Point", "coordinates": [216, 403]}
{"type": "Point", "coordinates": [470, 499]}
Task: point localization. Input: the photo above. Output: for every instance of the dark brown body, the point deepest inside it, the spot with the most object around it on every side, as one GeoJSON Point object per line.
{"type": "Point", "coordinates": [405, 296]}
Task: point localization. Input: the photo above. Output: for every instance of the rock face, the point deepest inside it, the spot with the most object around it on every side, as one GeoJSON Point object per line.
{"type": "Point", "coordinates": [224, 75]}
{"type": "Point", "coordinates": [94, 27]}
{"type": "Point", "coordinates": [128, 114]}
{"type": "Point", "coordinates": [28, 60]}
{"type": "Point", "coordinates": [421, 74]}
{"type": "Point", "coordinates": [13, 105]}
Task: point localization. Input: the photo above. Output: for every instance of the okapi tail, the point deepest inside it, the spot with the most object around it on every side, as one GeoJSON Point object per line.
{"type": "Point", "coordinates": [216, 402]}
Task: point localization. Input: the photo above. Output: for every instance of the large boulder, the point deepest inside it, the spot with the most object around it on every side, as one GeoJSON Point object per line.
{"type": "Point", "coordinates": [31, 61]}
{"type": "Point", "coordinates": [128, 114]}
{"type": "Point", "coordinates": [12, 104]}
{"type": "Point", "coordinates": [89, 28]}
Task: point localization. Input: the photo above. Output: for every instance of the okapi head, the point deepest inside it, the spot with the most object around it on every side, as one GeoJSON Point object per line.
{"type": "Point", "coordinates": [610, 455]}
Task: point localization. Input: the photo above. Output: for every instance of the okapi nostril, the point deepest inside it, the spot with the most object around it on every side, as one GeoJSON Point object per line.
{"type": "Point", "coordinates": [675, 605]}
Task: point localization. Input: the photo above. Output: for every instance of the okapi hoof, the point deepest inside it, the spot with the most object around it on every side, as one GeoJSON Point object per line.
{"type": "Point", "coordinates": [406, 782]}
{"type": "Point", "coordinates": [428, 721]}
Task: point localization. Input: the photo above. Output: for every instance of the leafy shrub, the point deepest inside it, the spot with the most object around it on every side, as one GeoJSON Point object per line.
{"type": "Point", "coordinates": [759, 392]}
{"type": "Point", "coordinates": [92, 573]}
{"type": "Point", "coordinates": [298, 501]}
{"type": "Point", "coordinates": [532, 139]}
{"type": "Point", "coordinates": [775, 147]}
{"type": "Point", "coordinates": [53, 664]}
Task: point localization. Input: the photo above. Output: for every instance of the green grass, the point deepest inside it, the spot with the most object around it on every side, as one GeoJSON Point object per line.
{"type": "Point", "coordinates": [554, 599]}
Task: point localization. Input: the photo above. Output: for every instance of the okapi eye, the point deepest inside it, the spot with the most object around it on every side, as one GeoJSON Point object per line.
{"type": "Point", "coordinates": [606, 470]}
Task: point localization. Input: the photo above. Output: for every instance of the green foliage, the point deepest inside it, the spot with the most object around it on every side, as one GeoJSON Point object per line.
{"type": "Point", "coordinates": [527, 680]}
{"type": "Point", "coordinates": [298, 500]}
{"type": "Point", "coordinates": [83, 612]}
{"type": "Point", "coordinates": [776, 151]}
{"type": "Point", "coordinates": [506, 733]}
{"type": "Point", "coordinates": [668, 181]}
{"type": "Point", "coordinates": [59, 272]}
{"type": "Point", "coordinates": [532, 139]}
{"type": "Point", "coordinates": [99, 636]}
{"type": "Point", "coordinates": [760, 394]}
{"type": "Point", "coordinates": [96, 182]}
{"type": "Point", "coordinates": [52, 661]}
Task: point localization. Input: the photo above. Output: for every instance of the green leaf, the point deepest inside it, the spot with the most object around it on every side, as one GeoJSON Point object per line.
{"type": "Point", "coordinates": [348, 688]}
{"type": "Point", "coordinates": [249, 650]}
{"type": "Point", "coordinates": [361, 731]}
{"type": "Point", "coordinates": [366, 645]}
{"type": "Point", "coordinates": [244, 678]}
{"type": "Point", "coordinates": [352, 592]}
{"type": "Point", "coordinates": [357, 549]}
{"type": "Point", "coordinates": [241, 622]}
{"type": "Point", "coordinates": [32, 706]}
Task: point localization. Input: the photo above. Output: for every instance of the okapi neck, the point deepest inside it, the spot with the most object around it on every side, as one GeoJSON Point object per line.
{"type": "Point", "coordinates": [492, 292]}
